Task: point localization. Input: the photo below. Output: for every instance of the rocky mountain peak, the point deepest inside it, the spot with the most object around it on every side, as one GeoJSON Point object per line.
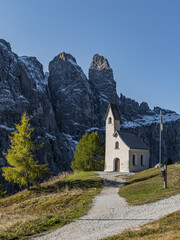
{"type": "Point", "coordinates": [72, 97]}
{"type": "Point", "coordinates": [101, 76]}
{"type": "Point", "coordinates": [99, 63]}
{"type": "Point", "coordinates": [130, 109]}
{"type": "Point", "coordinates": [164, 111]}
{"type": "Point", "coordinates": [64, 62]}
{"type": "Point", "coordinates": [7, 44]}
{"type": "Point", "coordinates": [66, 57]}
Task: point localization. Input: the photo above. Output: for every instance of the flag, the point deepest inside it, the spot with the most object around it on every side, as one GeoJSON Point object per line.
{"type": "Point", "coordinates": [161, 121]}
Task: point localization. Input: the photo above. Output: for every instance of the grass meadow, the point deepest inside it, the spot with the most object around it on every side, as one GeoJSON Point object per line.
{"type": "Point", "coordinates": [52, 204]}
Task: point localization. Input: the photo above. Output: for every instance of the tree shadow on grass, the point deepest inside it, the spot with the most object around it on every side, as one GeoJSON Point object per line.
{"type": "Point", "coordinates": [70, 184]}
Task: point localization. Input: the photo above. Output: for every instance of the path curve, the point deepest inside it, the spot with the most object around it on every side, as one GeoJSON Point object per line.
{"type": "Point", "coordinates": [110, 214]}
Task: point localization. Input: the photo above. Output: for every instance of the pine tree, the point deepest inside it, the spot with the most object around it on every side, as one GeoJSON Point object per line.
{"type": "Point", "coordinates": [23, 169]}
{"type": "Point", "coordinates": [2, 191]}
{"type": "Point", "coordinates": [89, 153]}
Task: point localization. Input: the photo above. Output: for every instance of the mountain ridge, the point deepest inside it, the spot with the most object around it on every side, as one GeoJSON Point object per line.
{"type": "Point", "coordinates": [63, 104]}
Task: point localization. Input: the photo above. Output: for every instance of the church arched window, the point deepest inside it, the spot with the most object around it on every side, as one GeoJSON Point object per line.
{"type": "Point", "coordinates": [134, 160]}
{"type": "Point", "coordinates": [117, 144]}
{"type": "Point", "coordinates": [109, 120]}
{"type": "Point", "coordinates": [142, 160]}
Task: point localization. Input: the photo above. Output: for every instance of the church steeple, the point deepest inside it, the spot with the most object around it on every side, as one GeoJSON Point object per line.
{"type": "Point", "coordinates": [112, 117]}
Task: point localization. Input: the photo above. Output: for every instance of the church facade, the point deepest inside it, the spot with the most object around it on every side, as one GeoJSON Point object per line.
{"type": "Point", "coordinates": [125, 152]}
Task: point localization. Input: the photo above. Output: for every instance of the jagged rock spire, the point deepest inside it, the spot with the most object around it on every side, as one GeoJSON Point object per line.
{"type": "Point", "coordinates": [72, 96]}
{"type": "Point", "coordinates": [101, 76]}
{"type": "Point", "coordinates": [99, 63]}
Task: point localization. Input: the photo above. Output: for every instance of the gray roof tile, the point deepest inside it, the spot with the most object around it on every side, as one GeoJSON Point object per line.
{"type": "Point", "coordinates": [132, 140]}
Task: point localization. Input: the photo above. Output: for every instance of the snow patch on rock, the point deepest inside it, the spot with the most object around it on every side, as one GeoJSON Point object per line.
{"type": "Point", "coordinates": [51, 136]}
{"type": "Point", "coordinates": [72, 143]}
{"type": "Point", "coordinates": [92, 129]}
{"type": "Point", "coordinates": [148, 120]}
{"type": "Point", "coordinates": [73, 63]}
{"type": "Point", "coordinates": [7, 128]}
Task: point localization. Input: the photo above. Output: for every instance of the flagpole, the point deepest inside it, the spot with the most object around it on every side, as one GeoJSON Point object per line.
{"type": "Point", "coordinates": [160, 140]}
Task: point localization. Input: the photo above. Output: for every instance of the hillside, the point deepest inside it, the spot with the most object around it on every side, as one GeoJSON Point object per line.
{"type": "Point", "coordinates": [54, 203]}
{"type": "Point", "coordinates": [146, 187]}
{"type": "Point", "coordinates": [111, 214]}
{"type": "Point", "coordinates": [64, 104]}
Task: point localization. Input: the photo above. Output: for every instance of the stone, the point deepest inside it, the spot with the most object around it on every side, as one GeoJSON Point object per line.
{"type": "Point", "coordinates": [24, 88]}
{"type": "Point", "coordinates": [101, 76]}
{"type": "Point", "coordinates": [73, 97]}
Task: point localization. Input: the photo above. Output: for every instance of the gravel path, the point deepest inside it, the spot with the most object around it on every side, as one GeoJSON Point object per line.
{"type": "Point", "coordinates": [110, 214]}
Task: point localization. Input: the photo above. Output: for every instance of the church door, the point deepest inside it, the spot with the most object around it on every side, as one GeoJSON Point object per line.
{"type": "Point", "coordinates": [117, 164]}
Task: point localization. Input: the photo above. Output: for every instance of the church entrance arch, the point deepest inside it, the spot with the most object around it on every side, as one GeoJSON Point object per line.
{"type": "Point", "coordinates": [117, 165]}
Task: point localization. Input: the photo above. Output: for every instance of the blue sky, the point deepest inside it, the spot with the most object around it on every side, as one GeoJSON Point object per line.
{"type": "Point", "coordinates": [140, 39]}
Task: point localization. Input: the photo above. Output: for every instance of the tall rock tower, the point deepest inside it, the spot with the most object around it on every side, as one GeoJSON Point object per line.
{"type": "Point", "coordinates": [72, 97]}
{"type": "Point", "coordinates": [101, 76]}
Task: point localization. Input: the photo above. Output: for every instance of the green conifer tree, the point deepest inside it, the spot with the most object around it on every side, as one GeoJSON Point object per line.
{"type": "Point", "coordinates": [2, 191]}
{"type": "Point", "coordinates": [23, 169]}
{"type": "Point", "coordinates": [89, 153]}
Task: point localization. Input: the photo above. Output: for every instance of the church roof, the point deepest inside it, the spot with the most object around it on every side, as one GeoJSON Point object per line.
{"type": "Point", "coordinates": [132, 140]}
{"type": "Point", "coordinates": [115, 111]}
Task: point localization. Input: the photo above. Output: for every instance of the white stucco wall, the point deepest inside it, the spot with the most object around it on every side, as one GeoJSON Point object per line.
{"type": "Point", "coordinates": [112, 153]}
{"type": "Point", "coordinates": [123, 154]}
{"type": "Point", "coordinates": [138, 153]}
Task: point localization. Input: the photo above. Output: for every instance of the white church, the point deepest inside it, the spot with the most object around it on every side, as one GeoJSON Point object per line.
{"type": "Point", "coordinates": [125, 152]}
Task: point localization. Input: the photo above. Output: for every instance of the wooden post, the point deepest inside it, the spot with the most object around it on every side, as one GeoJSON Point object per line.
{"type": "Point", "coordinates": [165, 175]}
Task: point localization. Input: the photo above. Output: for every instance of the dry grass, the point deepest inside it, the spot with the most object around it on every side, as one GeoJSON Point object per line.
{"type": "Point", "coordinates": [54, 203]}
{"type": "Point", "coordinates": [145, 187]}
{"type": "Point", "coordinates": [55, 179]}
{"type": "Point", "coordinates": [166, 228]}
{"type": "Point", "coordinates": [34, 207]}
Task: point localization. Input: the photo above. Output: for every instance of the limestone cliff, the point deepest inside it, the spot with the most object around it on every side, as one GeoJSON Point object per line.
{"type": "Point", "coordinates": [63, 104]}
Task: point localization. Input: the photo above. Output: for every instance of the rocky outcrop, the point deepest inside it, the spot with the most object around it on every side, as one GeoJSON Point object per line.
{"type": "Point", "coordinates": [74, 99]}
{"type": "Point", "coordinates": [131, 110]}
{"type": "Point", "coordinates": [23, 88]}
{"type": "Point", "coordinates": [101, 76]}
